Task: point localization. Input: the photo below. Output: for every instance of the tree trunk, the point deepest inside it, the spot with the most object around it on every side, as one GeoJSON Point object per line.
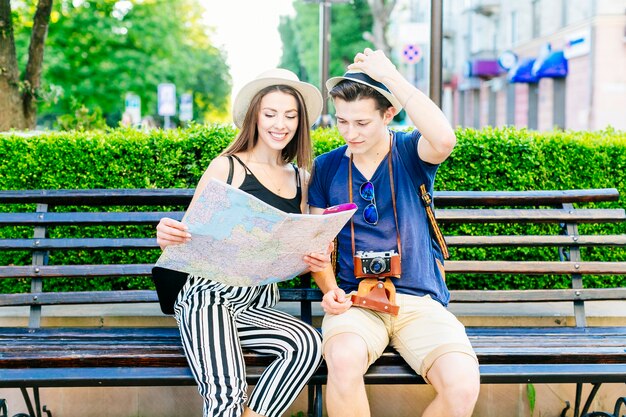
{"type": "Point", "coordinates": [381, 12]}
{"type": "Point", "coordinates": [11, 113]}
{"type": "Point", "coordinates": [18, 106]}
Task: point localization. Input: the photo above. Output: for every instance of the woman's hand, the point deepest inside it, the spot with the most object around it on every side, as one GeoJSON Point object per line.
{"type": "Point", "coordinates": [171, 232]}
{"type": "Point", "coordinates": [319, 261]}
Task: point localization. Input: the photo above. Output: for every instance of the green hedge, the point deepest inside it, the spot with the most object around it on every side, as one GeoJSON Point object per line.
{"type": "Point", "coordinates": [489, 159]}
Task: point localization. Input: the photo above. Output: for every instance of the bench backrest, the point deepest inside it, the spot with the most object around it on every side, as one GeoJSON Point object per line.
{"type": "Point", "coordinates": [39, 225]}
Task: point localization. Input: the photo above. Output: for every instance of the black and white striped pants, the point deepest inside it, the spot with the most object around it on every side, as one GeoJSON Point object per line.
{"type": "Point", "coordinates": [216, 321]}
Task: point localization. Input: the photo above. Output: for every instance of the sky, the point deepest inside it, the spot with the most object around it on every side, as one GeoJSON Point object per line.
{"type": "Point", "coordinates": [248, 31]}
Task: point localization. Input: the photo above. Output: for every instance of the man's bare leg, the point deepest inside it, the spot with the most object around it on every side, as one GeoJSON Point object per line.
{"type": "Point", "coordinates": [456, 379]}
{"type": "Point", "coordinates": [346, 358]}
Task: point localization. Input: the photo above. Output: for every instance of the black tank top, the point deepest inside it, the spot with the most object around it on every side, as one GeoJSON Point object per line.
{"type": "Point", "coordinates": [253, 186]}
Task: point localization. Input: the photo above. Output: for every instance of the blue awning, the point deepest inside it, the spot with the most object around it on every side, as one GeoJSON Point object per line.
{"type": "Point", "coordinates": [523, 72]}
{"type": "Point", "coordinates": [553, 66]}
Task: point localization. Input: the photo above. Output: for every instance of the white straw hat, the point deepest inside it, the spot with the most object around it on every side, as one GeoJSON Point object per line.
{"type": "Point", "coordinates": [278, 76]}
{"type": "Point", "coordinates": [363, 78]}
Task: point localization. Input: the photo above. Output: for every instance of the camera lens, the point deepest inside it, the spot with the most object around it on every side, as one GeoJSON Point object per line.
{"type": "Point", "coordinates": [377, 265]}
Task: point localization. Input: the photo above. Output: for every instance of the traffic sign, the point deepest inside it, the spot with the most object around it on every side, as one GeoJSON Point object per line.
{"type": "Point", "coordinates": [186, 107]}
{"type": "Point", "coordinates": [411, 54]}
{"type": "Point", "coordinates": [507, 60]}
{"type": "Point", "coordinates": [166, 95]}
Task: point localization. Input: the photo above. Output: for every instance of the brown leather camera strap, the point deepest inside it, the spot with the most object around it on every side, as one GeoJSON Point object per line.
{"type": "Point", "coordinates": [393, 198]}
{"type": "Point", "coordinates": [427, 202]}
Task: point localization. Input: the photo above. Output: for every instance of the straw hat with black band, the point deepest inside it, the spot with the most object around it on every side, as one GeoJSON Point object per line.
{"type": "Point", "coordinates": [363, 78]}
{"type": "Point", "coordinates": [278, 76]}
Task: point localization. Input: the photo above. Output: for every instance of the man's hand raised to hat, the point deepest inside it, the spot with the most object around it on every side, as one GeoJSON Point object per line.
{"type": "Point", "coordinates": [425, 115]}
{"type": "Point", "coordinates": [373, 63]}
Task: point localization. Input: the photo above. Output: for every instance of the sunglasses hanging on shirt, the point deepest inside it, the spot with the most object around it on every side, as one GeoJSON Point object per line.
{"type": "Point", "coordinates": [376, 290]}
{"type": "Point", "coordinates": [370, 212]}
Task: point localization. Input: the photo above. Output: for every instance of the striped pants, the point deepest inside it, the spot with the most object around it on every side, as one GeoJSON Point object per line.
{"type": "Point", "coordinates": [216, 321]}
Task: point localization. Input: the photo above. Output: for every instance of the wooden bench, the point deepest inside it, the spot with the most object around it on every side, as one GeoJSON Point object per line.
{"type": "Point", "coordinates": [34, 357]}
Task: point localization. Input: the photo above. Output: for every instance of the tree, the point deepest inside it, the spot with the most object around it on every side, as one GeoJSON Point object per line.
{"type": "Point", "coordinates": [381, 10]}
{"type": "Point", "coordinates": [101, 49]}
{"type": "Point", "coordinates": [18, 104]}
{"type": "Point", "coordinates": [300, 36]}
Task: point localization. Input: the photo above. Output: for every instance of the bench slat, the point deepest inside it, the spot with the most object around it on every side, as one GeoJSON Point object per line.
{"type": "Point", "coordinates": [100, 197]}
{"type": "Point", "coordinates": [93, 218]}
{"type": "Point", "coordinates": [454, 241]}
{"type": "Point", "coordinates": [488, 267]}
{"type": "Point", "coordinates": [77, 244]}
{"type": "Point", "coordinates": [530, 215]}
{"type": "Point", "coordinates": [47, 271]}
{"type": "Point", "coordinates": [105, 197]}
{"type": "Point", "coordinates": [443, 215]}
{"type": "Point", "coordinates": [536, 240]}
{"type": "Point", "coordinates": [523, 198]}
{"type": "Point", "coordinates": [314, 295]}
{"type": "Point", "coordinates": [138, 334]}
{"type": "Point", "coordinates": [530, 296]}
{"type": "Point", "coordinates": [127, 296]}
{"type": "Point", "coordinates": [536, 267]}
{"type": "Point", "coordinates": [102, 376]}
{"type": "Point", "coordinates": [83, 297]}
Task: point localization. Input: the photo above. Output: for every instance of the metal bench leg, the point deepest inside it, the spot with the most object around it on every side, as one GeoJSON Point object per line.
{"type": "Point", "coordinates": [592, 395]}
{"type": "Point", "coordinates": [616, 410]}
{"type": "Point", "coordinates": [4, 412]}
{"type": "Point", "coordinates": [618, 406]}
{"type": "Point", "coordinates": [311, 400]}
{"type": "Point", "coordinates": [29, 403]}
{"type": "Point", "coordinates": [33, 411]}
{"type": "Point", "coordinates": [564, 411]}
{"type": "Point", "coordinates": [579, 394]}
{"type": "Point", "coordinates": [318, 401]}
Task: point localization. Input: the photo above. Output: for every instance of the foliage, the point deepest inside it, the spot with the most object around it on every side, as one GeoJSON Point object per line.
{"type": "Point", "coordinates": [81, 118]}
{"type": "Point", "coordinates": [531, 393]}
{"type": "Point", "coordinates": [499, 159]}
{"type": "Point", "coordinates": [99, 50]}
{"type": "Point", "coordinates": [300, 37]}
{"type": "Point", "coordinates": [512, 159]}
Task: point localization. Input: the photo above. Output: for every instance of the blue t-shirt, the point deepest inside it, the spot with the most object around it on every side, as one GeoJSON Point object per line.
{"type": "Point", "coordinates": [420, 274]}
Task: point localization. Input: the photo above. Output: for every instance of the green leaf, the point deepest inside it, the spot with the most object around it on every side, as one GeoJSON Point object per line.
{"type": "Point", "coordinates": [531, 394]}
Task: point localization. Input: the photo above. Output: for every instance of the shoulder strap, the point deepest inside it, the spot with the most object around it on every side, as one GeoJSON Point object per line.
{"type": "Point", "coordinates": [229, 181]}
{"type": "Point", "coordinates": [427, 201]}
{"type": "Point", "coordinates": [245, 167]}
{"type": "Point", "coordinates": [297, 175]}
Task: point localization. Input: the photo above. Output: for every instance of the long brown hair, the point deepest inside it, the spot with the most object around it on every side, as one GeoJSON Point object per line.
{"type": "Point", "coordinates": [299, 148]}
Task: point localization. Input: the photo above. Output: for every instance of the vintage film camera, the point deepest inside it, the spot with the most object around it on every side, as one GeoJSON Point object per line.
{"type": "Point", "coordinates": [376, 291]}
{"type": "Point", "coordinates": [377, 264]}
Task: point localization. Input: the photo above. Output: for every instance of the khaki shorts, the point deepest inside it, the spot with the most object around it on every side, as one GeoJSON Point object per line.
{"type": "Point", "coordinates": [423, 331]}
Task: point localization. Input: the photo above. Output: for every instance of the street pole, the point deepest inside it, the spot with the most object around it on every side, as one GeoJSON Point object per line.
{"type": "Point", "coordinates": [436, 36]}
{"type": "Point", "coordinates": [324, 53]}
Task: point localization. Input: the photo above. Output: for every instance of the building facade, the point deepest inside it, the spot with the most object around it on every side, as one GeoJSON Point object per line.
{"type": "Point", "coordinates": [540, 64]}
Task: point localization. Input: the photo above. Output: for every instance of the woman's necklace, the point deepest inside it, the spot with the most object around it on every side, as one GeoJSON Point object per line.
{"type": "Point", "coordinates": [277, 188]}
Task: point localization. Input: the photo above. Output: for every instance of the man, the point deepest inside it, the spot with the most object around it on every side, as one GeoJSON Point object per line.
{"type": "Point", "coordinates": [390, 217]}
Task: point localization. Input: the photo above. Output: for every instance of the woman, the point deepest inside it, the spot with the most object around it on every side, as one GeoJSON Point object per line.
{"type": "Point", "coordinates": [274, 113]}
